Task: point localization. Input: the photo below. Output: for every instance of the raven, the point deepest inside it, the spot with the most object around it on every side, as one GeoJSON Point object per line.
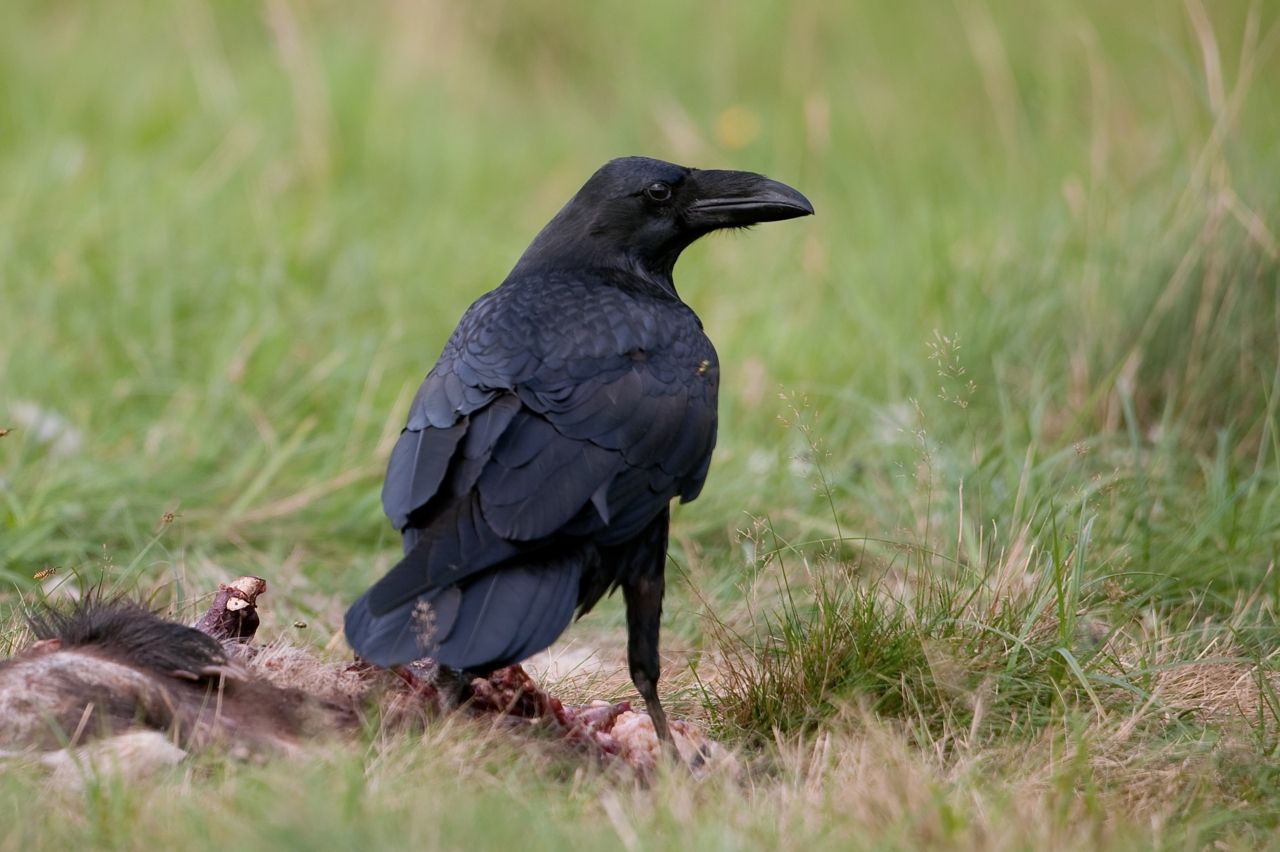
{"type": "Point", "coordinates": [568, 408]}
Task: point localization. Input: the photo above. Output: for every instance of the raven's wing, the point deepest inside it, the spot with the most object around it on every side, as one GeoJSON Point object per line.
{"type": "Point", "coordinates": [556, 421]}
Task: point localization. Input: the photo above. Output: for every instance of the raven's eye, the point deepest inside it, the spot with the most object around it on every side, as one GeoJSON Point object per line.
{"type": "Point", "coordinates": [658, 191]}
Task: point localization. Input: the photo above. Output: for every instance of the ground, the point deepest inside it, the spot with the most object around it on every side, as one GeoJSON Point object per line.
{"type": "Point", "coordinates": [987, 555]}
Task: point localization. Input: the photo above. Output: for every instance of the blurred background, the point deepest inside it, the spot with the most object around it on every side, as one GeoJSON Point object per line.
{"type": "Point", "coordinates": [1041, 287]}
{"type": "Point", "coordinates": [986, 558]}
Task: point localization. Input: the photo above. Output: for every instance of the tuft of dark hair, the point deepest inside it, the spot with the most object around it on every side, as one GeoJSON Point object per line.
{"type": "Point", "coordinates": [129, 632]}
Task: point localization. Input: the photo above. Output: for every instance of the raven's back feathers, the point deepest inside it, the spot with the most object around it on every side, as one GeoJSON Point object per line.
{"type": "Point", "coordinates": [527, 450]}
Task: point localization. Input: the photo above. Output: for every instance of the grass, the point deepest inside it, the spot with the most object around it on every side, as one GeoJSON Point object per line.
{"type": "Point", "coordinates": [987, 557]}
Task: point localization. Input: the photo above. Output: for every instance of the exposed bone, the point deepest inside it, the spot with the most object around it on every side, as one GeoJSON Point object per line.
{"type": "Point", "coordinates": [233, 616]}
{"type": "Point", "coordinates": [639, 746]}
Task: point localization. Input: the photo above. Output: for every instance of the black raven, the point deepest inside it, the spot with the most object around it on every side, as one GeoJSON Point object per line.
{"type": "Point", "coordinates": [569, 407]}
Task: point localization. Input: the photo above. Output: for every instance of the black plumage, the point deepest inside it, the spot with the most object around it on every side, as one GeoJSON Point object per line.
{"type": "Point", "coordinates": [568, 408]}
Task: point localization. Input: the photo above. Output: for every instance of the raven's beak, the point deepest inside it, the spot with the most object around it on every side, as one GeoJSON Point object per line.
{"type": "Point", "coordinates": [734, 199]}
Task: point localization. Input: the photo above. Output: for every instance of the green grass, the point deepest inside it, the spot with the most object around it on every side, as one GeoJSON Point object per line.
{"type": "Point", "coordinates": [987, 557]}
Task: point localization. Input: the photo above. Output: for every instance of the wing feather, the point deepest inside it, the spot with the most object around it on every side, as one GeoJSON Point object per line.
{"type": "Point", "coordinates": [545, 425]}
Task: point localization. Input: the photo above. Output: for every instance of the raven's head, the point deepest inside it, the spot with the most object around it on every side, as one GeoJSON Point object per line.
{"type": "Point", "coordinates": [639, 214]}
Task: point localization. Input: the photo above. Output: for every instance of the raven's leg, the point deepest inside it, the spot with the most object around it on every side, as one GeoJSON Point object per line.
{"type": "Point", "coordinates": [644, 612]}
{"type": "Point", "coordinates": [642, 587]}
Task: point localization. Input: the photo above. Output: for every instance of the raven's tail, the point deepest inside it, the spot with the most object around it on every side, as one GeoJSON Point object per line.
{"type": "Point", "coordinates": [485, 622]}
